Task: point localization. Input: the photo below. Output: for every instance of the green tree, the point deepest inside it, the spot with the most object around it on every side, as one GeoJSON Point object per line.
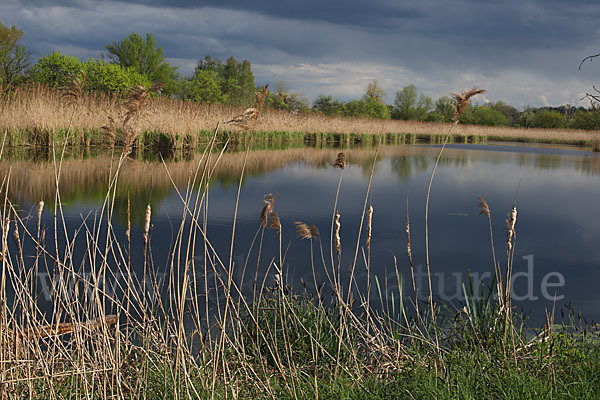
{"type": "Point", "coordinates": [585, 119]}
{"type": "Point", "coordinates": [485, 115]}
{"type": "Point", "coordinates": [105, 77]}
{"type": "Point", "coordinates": [282, 99]}
{"type": "Point", "coordinates": [525, 118]}
{"type": "Point", "coordinates": [55, 70]}
{"type": "Point", "coordinates": [146, 58]}
{"type": "Point", "coordinates": [376, 109]}
{"type": "Point", "coordinates": [508, 111]}
{"type": "Point", "coordinates": [372, 101]}
{"type": "Point", "coordinates": [423, 107]}
{"type": "Point", "coordinates": [405, 100]}
{"type": "Point", "coordinates": [204, 87]}
{"type": "Point", "coordinates": [444, 107]}
{"type": "Point", "coordinates": [374, 92]}
{"type": "Point", "coordinates": [328, 106]}
{"type": "Point", "coordinates": [548, 119]}
{"type": "Point", "coordinates": [14, 58]}
{"type": "Point", "coordinates": [238, 82]}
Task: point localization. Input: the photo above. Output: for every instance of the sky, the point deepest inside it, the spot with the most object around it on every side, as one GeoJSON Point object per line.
{"type": "Point", "coordinates": [523, 52]}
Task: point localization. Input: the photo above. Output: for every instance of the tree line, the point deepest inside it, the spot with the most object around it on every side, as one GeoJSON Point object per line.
{"type": "Point", "coordinates": [138, 60]}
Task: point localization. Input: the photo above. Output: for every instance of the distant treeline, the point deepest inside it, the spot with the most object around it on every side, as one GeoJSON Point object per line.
{"type": "Point", "coordinates": [138, 60]}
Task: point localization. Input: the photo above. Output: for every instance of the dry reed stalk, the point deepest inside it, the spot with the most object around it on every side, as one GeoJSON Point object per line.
{"type": "Point", "coordinates": [462, 101]}
{"type": "Point", "coordinates": [369, 222]}
{"type": "Point", "coordinates": [340, 162]}
{"type": "Point", "coordinates": [485, 210]}
{"type": "Point", "coordinates": [410, 258]}
{"type": "Point", "coordinates": [510, 233]}
{"type": "Point", "coordinates": [219, 355]}
{"type": "Point", "coordinates": [65, 328]}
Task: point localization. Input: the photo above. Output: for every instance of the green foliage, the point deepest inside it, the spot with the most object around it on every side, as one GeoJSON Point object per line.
{"type": "Point", "coordinates": [408, 105]}
{"type": "Point", "coordinates": [14, 58]}
{"type": "Point", "coordinates": [444, 109]}
{"type": "Point", "coordinates": [548, 119]}
{"type": "Point", "coordinates": [510, 113]}
{"type": "Point", "coordinates": [371, 105]}
{"type": "Point", "coordinates": [204, 87]}
{"type": "Point", "coordinates": [483, 115]}
{"type": "Point", "coordinates": [231, 83]}
{"type": "Point", "coordinates": [281, 99]}
{"type": "Point", "coordinates": [109, 78]}
{"type": "Point", "coordinates": [405, 100]}
{"type": "Point", "coordinates": [328, 106]}
{"type": "Point", "coordinates": [55, 70]}
{"type": "Point", "coordinates": [374, 92]}
{"type": "Point", "coordinates": [144, 57]}
{"type": "Point", "coordinates": [238, 82]}
{"type": "Point", "coordinates": [588, 120]}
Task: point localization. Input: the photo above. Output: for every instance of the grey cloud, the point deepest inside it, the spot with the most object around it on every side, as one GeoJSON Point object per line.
{"type": "Point", "coordinates": [533, 47]}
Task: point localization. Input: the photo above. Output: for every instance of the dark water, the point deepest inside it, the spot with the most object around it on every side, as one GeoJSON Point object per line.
{"type": "Point", "coordinates": [557, 254]}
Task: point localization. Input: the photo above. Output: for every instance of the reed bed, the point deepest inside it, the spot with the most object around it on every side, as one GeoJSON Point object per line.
{"type": "Point", "coordinates": [110, 327]}
{"type": "Point", "coordinates": [27, 110]}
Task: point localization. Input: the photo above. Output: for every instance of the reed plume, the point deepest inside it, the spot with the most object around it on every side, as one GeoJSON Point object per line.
{"type": "Point", "coordinates": [72, 93]}
{"type": "Point", "coordinates": [267, 209]}
{"type": "Point", "coordinates": [302, 230]}
{"type": "Point", "coordinates": [248, 119]}
{"type": "Point", "coordinates": [462, 100]}
{"type": "Point", "coordinates": [340, 161]}
{"type": "Point", "coordinates": [275, 222]}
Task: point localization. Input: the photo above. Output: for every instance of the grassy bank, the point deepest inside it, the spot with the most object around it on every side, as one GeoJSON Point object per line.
{"type": "Point", "coordinates": [37, 116]}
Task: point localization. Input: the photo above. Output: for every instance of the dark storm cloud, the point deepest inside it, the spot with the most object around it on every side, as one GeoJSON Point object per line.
{"type": "Point", "coordinates": [525, 51]}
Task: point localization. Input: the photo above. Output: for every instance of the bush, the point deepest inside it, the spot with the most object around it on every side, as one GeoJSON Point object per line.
{"type": "Point", "coordinates": [109, 78]}
{"type": "Point", "coordinates": [548, 119]}
{"type": "Point", "coordinates": [55, 70]}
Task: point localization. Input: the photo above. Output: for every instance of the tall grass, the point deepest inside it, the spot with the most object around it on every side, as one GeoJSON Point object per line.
{"type": "Point", "coordinates": [36, 111]}
{"type": "Point", "coordinates": [194, 330]}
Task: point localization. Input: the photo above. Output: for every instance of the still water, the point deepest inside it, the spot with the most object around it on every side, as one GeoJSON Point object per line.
{"type": "Point", "coordinates": [556, 189]}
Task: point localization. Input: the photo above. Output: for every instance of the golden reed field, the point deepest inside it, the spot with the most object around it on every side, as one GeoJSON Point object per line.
{"type": "Point", "coordinates": [43, 108]}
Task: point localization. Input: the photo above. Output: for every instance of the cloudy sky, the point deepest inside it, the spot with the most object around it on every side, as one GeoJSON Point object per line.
{"type": "Point", "coordinates": [524, 52]}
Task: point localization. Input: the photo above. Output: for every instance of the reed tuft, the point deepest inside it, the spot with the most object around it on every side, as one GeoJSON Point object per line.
{"type": "Point", "coordinates": [462, 100]}
{"type": "Point", "coordinates": [302, 230]}
{"type": "Point", "coordinates": [275, 222]}
{"type": "Point", "coordinates": [340, 161]}
{"type": "Point", "coordinates": [483, 207]}
{"type": "Point", "coordinates": [73, 93]}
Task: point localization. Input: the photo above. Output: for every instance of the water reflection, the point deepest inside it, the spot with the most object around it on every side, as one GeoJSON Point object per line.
{"type": "Point", "coordinates": [557, 229]}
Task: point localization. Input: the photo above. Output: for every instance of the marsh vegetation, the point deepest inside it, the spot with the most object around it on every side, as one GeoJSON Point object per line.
{"type": "Point", "coordinates": [113, 322]}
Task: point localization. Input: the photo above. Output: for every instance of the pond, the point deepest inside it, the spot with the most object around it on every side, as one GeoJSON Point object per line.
{"type": "Point", "coordinates": [556, 190]}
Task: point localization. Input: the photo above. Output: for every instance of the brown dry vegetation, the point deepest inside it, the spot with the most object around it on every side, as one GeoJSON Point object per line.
{"type": "Point", "coordinates": [35, 181]}
{"type": "Point", "coordinates": [39, 107]}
